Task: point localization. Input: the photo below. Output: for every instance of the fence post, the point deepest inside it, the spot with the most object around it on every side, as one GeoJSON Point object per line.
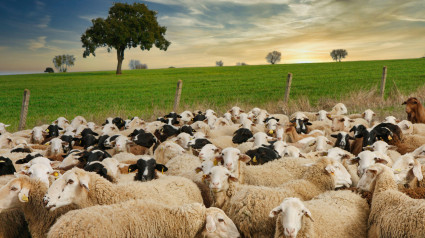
{"type": "Point", "coordinates": [384, 78]}
{"type": "Point", "coordinates": [24, 109]}
{"type": "Point", "coordinates": [288, 88]}
{"type": "Point", "coordinates": [177, 96]}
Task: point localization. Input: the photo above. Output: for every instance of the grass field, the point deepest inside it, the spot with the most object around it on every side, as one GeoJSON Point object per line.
{"type": "Point", "coordinates": [96, 95]}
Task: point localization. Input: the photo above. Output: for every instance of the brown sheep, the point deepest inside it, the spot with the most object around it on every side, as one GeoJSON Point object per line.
{"type": "Point", "coordinates": [415, 111]}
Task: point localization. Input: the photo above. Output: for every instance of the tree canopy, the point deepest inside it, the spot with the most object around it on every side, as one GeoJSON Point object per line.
{"type": "Point", "coordinates": [127, 26]}
{"type": "Point", "coordinates": [62, 62]}
{"type": "Point", "coordinates": [338, 54]}
{"type": "Point", "coordinates": [274, 57]}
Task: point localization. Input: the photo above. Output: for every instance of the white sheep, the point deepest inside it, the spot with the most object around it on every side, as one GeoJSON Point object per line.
{"type": "Point", "coordinates": [78, 121]}
{"type": "Point", "coordinates": [393, 213]}
{"type": "Point", "coordinates": [406, 127]}
{"type": "Point", "coordinates": [148, 219]}
{"type": "Point", "coordinates": [55, 147]}
{"type": "Point", "coordinates": [166, 151]}
{"type": "Point", "coordinates": [367, 158]}
{"type": "Point", "coordinates": [331, 214]}
{"type": "Point", "coordinates": [86, 189]}
{"type": "Point", "coordinates": [249, 206]}
{"type": "Point", "coordinates": [27, 194]}
{"type": "Point", "coordinates": [62, 122]}
{"type": "Point", "coordinates": [37, 135]}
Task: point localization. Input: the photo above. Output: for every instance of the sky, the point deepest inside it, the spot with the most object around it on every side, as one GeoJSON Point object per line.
{"type": "Point", "coordinates": [202, 32]}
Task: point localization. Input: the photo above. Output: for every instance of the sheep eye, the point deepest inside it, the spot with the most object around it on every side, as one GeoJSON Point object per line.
{"type": "Point", "coordinates": [220, 219]}
{"type": "Point", "coordinates": [70, 181]}
{"type": "Point", "coordinates": [13, 188]}
{"type": "Point", "coordinates": [410, 164]}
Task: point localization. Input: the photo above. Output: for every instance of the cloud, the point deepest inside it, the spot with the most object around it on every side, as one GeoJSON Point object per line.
{"type": "Point", "coordinates": [39, 43]}
{"type": "Point", "coordinates": [44, 22]}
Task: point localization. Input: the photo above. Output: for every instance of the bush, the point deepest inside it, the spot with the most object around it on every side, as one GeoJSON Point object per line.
{"type": "Point", "coordinates": [49, 70]}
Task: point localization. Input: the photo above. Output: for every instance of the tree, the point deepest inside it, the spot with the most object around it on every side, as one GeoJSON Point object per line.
{"type": "Point", "coordinates": [62, 62]}
{"type": "Point", "coordinates": [133, 64]}
{"type": "Point", "coordinates": [127, 26]}
{"type": "Point", "coordinates": [241, 64]}
{"type": "Point", "coordinates": [273, 57]}
{"type": "Point", "coordinates": [338, 54]}
{"type": "Point", "coordinates": [219, 63]}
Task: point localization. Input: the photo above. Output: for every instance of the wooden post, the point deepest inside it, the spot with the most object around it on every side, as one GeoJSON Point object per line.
{"type": "Point", "coordinates": [177, 96]}
{"type": "Point", "coordinates": [24, 110]}
{"type": "Point", "coordinates": [384, 78]}
{"type": "Point", "coordinates": [288, 88]}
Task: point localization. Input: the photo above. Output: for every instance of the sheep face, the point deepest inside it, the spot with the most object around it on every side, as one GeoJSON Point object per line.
{"type": "Point", "coordinates": [37, 135]}
{"type": "Point", "coordinates": [366, 159]}
{"type": "Point", "coordinates": [62, 122]}
{"type": "Point", "coordinates": [67, 189]}
{"type": "Point", "coordinates": [292, 212]}
{"type": "Point", "coordinates": [219, 225]}
{"type": "Point", "coordinates": [368, 115]}
{"type": "Point", "coordinates": [209, 152]}
{"type": "Point", "coordinates": [405, 166]}
{"type": "Point", "coordinates": [219, 179]}
{"type": "Point", "coordinates": [271, 126]}
{"type": "Point", "coordinates": [279, 134]}
{"type": "Point", "coordinates": [291, 151]}
{"type": "Point", "coordinates": [260, 138]}
{"type": "Point", "coordinates": [121, 144]}
{"type": "Point", "coordinates": [146, 169]}
{"type": "Point", "coordinates": [227, 116]}
{"type": "Point", "coordinates": [205, 168]}
{"type": "Point", "coordinates": [337, 154]}
{"type": "Point", "coordinates": [280, 147]}
{"type": "Point", "coordinates": [322, 115]}
{"type": "Point", "coordinates": [183, 140]}
{"type": "Point", "coordinates": [13, 193]}
{"type": "Point", "coordinates": [6, 166]}
{"type": "Point", "coordinates": [368, 180]}
{"type": "Point", "coordinates": [56, 146]}
{"type": "Point", "coordinates": [41, 172]}
{"type": "Point", "coordinates": [321, 142]}
{"type": "Point", "coordinates": [70, 160]}
{"type": "Point", "coordinates": [340, 173]}
{"type": "Point", "coordinates": [230, 158]}
{"type": "Point", "coordinates": [187, 116]}
{"type": "Point", "coordinates": [109, 129]}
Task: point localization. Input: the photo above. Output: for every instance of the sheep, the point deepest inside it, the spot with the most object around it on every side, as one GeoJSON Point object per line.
{"type": "Point", "coordinates": [418, 128]}
{"type": "Point", "coordinates": [331, 214]}
{"type": "Point", "coordinates": [3, 128]}
{"type": "Point", "coordinates": [27, 194]}
{"type": "Point", "coordinates": [390, 119]}
{"type": "Point", "coordinates": [321, 143]}
{"type": "Point", "coordinates": [415, 111]}
{"type": "Point", "coordinates": [368, 158]}
{"type": "Point", "coordinates": [384, 148]}
{"type": "Point", "coordinates": [408, 171]}
{"type": "Point", "coordinates": [55, 147]}
{"type": "Point", "coordinates": [85, 189]}
{"type": "Point", "coordinates": [343, 123]}
{"type": "Point", "coordinates": [407, 127]}
{"type": "Point", "coordinates": [294, 136]}
{"type": "Point", "coordinates": [6, 166]}
{"type": "Point", "coordinates": [148, 219]}
{"type": "Point", "coordinates": [61, 122]}
{"type": "Point", "coordinates": [188, 166]}
{"type": "Point", "coordinates": [167, 151]}
{"type": "Point", "coordinates": [339, 109]}
{"type": "Point", "coordinates": [393, 213]}
{"type": "Point", "coordinates": [183, 140]}
{"type": "Point", "coordinates": [187, 116]}
{"type": "Point", "coordinates": [37, 135]}
{"type": "Point", "coordinates": [249, 206]}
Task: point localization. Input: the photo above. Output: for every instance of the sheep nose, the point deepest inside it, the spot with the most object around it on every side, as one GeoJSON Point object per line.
{"type": "Point", "coordinates": [215, 183]}
{"type": "Point", "coordinates": [45, 200]}
{"type": "Point", "coordinates": [290, 230]}
{"type": "Point", "coordinates": [229, 165]}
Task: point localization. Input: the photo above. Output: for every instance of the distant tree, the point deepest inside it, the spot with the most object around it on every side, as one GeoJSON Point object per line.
{"type": "Point", "coordinates": [274, 57]}
{"type": "Point", "coordinates": [49, 70]}
{"type": "Point", "coordinates": [219, 63]}
{"type": "Point", "coordinates": [62, 62]}
{"type": "Point", "coordinates": [142, 66]}
{"type": "Point", "coordinates": [127, 26]}
{"type": "Point", "coordinates": [338, 54]}
{"type": "Point", "coordinates": [133, 64]}
{"type": "Point", "coordinates": [240, 64]}
{"type": "Point", "coordinates": [171, 67]}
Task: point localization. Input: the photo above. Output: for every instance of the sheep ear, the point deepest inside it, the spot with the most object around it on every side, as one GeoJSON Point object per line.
{"type": "Point", "coordinates": [244, 158]}
{"type": "Point", "coordinates": [417, 170]}
{"type": "Point", "coordinates": [330, 169]}
{"type": "Point", "coordinates": [392, 147]}
{"type": "Point", "coordinates": [354, 160]}
{"type": "Point", "coordinates": [232, 177]}
{"type": "Point", "coordinates": [275, 211]}
{"type": "Point", "coordinates": [161, 167]}
{"type": "Point", "coordinates": [198, 170]}
{"type": "Point", "coordinates": [334, 136]}
{"type": "Point", "coordinates": [84, 182]}
{"type": "Point", "coordinates": [24, 195]}
{"type": "Point", "coordinates": [312, 144]}
{"type": "Point", "coordinates": [373, 171]}
{"type": "Point", "coordinates": [380, 160]}
{"type": "Point", "coordinates": [307, 213]}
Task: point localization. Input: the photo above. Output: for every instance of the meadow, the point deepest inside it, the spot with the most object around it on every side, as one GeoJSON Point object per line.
{"type": "Point", "coordinates": [150, 93]}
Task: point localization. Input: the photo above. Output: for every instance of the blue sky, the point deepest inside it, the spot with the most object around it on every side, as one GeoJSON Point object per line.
{"type": "Point", "coordinates": [205, 31]}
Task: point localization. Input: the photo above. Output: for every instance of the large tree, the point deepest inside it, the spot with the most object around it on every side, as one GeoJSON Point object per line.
{"type": "Point", "coordinates": [125, 27]}
{"type": "Point", "coordinates": [273, 57]}
{"type": "Point", "coordinates": [338, 54]}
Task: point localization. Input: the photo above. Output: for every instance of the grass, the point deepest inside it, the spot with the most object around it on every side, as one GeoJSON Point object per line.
{"type": "Point", "coordinates": [150, 93]}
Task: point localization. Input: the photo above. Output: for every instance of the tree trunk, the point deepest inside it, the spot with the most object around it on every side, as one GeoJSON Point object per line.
{"type": "Point", "coordinates": [120, 57]}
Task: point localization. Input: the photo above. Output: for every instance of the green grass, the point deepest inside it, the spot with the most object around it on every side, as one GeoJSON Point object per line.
{"type": "Point", "coordinates": [96, 95]}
